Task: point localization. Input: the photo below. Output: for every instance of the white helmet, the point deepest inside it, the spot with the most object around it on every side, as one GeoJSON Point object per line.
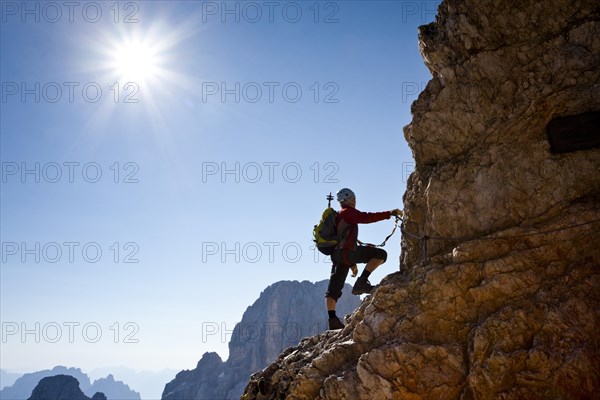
{"type": "Point", "coordinates": [345, 194]}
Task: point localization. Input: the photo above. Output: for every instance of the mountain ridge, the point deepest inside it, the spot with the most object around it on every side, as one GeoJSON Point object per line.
{"type": "Point", "coordinates": [24, 385]}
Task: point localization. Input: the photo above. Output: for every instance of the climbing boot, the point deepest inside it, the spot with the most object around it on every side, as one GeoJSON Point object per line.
{"type": "Point", "coordinates": [335, 323]}
{"type": "Point", "coordinates": [362, 286]}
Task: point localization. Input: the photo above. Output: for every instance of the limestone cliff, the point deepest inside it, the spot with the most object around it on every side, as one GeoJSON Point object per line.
{"type": "Point", "coordinates": [498, 294]}
{"type": "Point", "coordinates": [284, 313]}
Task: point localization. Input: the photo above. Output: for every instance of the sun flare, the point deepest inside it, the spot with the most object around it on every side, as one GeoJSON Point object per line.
{"type": "Point", "coordinates": [135, 61]}
{"type": "Point", "coordinates": [141, 66]}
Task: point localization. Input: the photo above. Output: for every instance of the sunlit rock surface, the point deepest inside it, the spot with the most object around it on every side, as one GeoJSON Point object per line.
{"type": "Point", "coordinates": [503, 299]}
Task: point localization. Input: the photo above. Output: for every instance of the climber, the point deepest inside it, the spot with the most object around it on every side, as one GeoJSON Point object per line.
{"type": "Point", "coordinates": [349, 253]}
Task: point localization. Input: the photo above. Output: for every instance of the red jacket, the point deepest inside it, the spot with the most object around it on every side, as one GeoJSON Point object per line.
{"type": "Point", "coordinates": [350, 217]}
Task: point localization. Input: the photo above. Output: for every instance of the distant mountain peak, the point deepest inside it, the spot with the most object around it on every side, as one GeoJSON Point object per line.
{"type": "Point", "coordinates": [284, 313]}
{"type": "Point", "coordinates": [61, 387]}
{"type": "Point", "coordinates": [113, 389]}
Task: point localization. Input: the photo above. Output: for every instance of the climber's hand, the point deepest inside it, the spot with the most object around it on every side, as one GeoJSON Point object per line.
{"type": "Point", "coordinates": [354, 269]}
{"type": "Point", "coordinates": [396, 212]}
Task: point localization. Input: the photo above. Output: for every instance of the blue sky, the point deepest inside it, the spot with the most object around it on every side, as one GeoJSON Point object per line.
{"type": "Point", "coordinates": [174, 138]}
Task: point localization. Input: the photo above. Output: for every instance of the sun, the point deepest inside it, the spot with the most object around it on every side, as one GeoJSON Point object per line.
{"type": "Point", "coordinates": [135, 61]}
{"type": "Point", "coordinates": [141, 64]}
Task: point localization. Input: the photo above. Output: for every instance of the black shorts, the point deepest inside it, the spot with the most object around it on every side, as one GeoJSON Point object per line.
{"type": "Point", "coordinates": [361, 254]}
{"type": "Point", "coordinates": [339, 270]}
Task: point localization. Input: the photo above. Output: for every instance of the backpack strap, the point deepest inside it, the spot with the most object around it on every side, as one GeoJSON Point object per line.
{"type": "Point", "coordinates": [342, 232]}
{"type": "Point", "coordinates": [343, 228]}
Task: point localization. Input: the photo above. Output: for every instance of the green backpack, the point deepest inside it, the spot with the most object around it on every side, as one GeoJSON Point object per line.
{"type": "Point", "coordinates": [325, 232]}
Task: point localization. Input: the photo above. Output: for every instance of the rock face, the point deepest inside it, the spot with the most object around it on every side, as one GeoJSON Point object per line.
{"type": "Point", "coordinates": [502, 299]}
{"type": "Point", "coordinates": [61, 387]}
{"type": "Point", "coordinates": [284, 313]}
